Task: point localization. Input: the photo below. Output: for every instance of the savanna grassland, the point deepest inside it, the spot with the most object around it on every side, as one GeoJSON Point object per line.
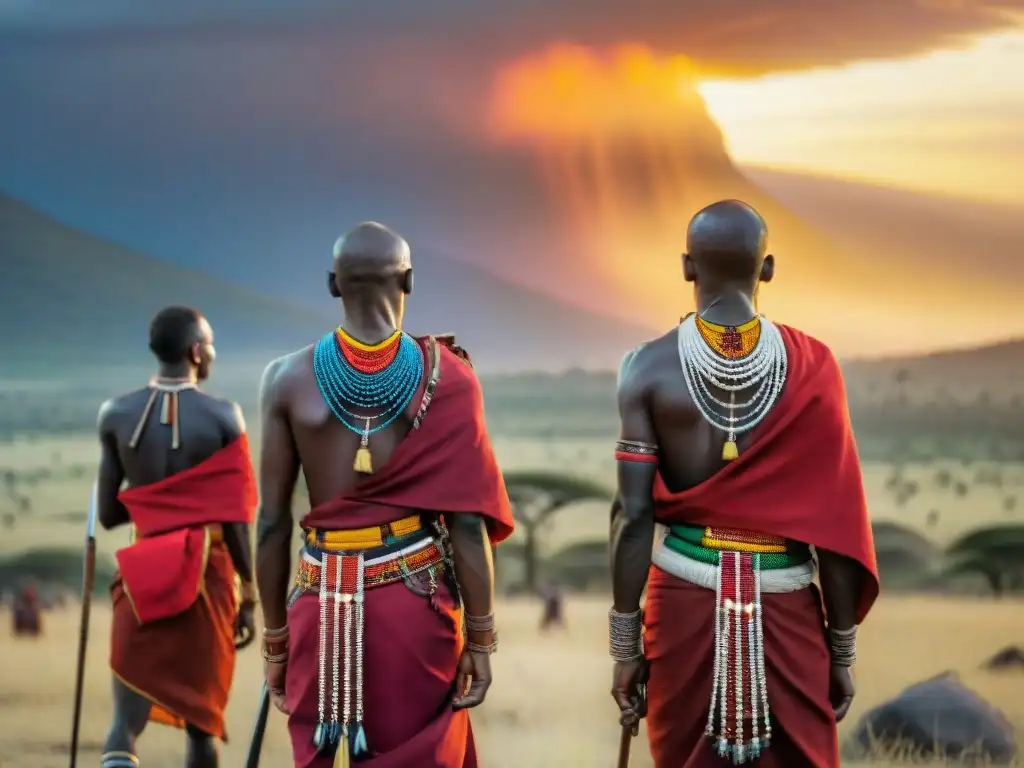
{"type": "Point", "coordinates": [549, 705]}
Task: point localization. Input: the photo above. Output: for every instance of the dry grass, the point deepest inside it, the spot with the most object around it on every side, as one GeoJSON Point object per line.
{"type": "Point", "coordinates": [549, 705]}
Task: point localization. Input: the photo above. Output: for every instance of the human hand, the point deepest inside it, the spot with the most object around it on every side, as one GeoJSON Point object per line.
{"type": "Point", "coordinates": [245, 626]}
{"type": "Point", "coordinates": [275, 674]}
{"type": "Point", "coordinates": [841, 690]}
{"type": "Point", "coordinates": [629, 689]}
{"type": "Point", "coordinates": [472, 679]}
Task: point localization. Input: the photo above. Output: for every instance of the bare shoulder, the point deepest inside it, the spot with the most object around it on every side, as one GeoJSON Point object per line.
{"type": "Point", "coordinates": [113, 411]}
{"type": "Point", "coordinates": [283, 373]}
{"type": "Point", "coordinates": [227, 412]}
{"type": "Point", "coordinates": [640, 366]}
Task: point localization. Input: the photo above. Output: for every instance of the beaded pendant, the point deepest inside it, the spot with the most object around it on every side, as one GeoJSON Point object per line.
{"type": "Point", "coordinates": [380, 379]}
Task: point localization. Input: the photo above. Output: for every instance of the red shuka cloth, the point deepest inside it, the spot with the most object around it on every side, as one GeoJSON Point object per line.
{"type": "Point", "coordinates": [172, 639]}
{"type": "Point", "coordinates": [799, 479]}
{"type": "Point", "coordinates": [411, 648]}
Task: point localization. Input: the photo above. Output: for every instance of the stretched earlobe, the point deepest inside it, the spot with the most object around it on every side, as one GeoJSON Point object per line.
{"type": "Point", "coordinates": [689, 269]}
{"type": "Point", "coordinates": [332, 286]}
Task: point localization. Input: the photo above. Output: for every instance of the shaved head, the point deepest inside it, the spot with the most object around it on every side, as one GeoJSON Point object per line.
{"type": "Point", "coordinates": [372, 275]}
{"type": "Point", "coordinates": [370, 249]}
{"type": "Point", "coordinates": [727, 242]}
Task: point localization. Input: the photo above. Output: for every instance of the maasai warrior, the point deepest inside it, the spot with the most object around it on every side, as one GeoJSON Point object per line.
{"type": "Point", "coordinates": [389, 643]}
{"type": "Point", "coordinates": [191, 500]}
{"type": "Point", "coordinates": [735, 436]}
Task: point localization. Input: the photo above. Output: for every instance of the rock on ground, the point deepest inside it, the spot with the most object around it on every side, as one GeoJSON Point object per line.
{"type": "Point", "coordinates": [937, 717]}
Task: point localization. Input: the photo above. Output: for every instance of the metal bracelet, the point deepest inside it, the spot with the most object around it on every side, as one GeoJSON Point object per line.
{"type": "Point", "coordinates": [480, 623]}
{"type": "Point", "coordinates": [477, 648]}
{"type": "Point", "coordinates": [276, 634]}
{"type": "Point", "coordinates": [275, 658]}
{"type": "Point", "coordinates": [843, 646]}
{"type": "Point", "coordinates": [624, 631]}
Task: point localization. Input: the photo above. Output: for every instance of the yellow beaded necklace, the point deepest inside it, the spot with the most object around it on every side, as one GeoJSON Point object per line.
{"type": "Point", "coordinates": [730, 341]}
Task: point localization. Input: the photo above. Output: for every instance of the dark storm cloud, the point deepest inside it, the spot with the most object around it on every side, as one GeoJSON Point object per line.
{"type": "Point", "coordinates": [733, 35]}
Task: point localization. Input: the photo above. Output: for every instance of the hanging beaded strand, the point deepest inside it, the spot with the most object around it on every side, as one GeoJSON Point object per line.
{"type": "Point", "coordinates": [381, 379]}
{"type": "Point", "coordinates": [359, 745]}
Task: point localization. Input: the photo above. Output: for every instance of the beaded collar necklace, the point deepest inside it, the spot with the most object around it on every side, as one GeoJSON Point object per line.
{"type": "Point", "coordinates": [366, 384]}
{"type": "Point", "coordinates": [730, 341]}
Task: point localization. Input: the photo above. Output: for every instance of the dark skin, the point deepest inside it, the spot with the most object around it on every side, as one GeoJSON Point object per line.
{"type": "Point", "coordinates": [207, 425]}
{"type": "Point", "coordinates": [726, 260]}
{"type": "Point", "coordinates": [371, 276]}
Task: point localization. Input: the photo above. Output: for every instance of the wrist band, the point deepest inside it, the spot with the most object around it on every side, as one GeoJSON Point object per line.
{"type": "Point", "coordinates": [624, 630]}
{"type": "Point", "coordinates": [275, 645]}
{"type": "Point", "coordinates": [843, 646]}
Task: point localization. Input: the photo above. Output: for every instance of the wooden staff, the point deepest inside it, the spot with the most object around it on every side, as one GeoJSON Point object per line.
{"type": "Point", "coordinates": [252, 759]}
{"type": "Point", "coordinates": [88, 577]}
{"type": "Point", "coordinates": [625, 742]}
{"type": "Point", "coordinates": [259, 729]}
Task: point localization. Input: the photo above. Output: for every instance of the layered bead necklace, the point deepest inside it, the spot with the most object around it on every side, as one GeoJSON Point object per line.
{"type": "Point", "coordinates": [380, 379]}
{"type": "Point", "coordinates": [732, 359]}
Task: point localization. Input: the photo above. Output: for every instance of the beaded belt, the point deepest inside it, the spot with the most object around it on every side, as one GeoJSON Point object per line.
{"type": "Point", "coordinates": [377, 571]}
{"type": "Point", "coordinates": [739, 566]}
{"type": "Point", "coordinates": [364, 538]}
{"type": "Point", "coordinates": [371, 557]}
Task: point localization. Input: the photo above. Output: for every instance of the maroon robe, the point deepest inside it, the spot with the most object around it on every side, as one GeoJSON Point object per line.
{"type": "Point", "coordinates": [799, 479]}
{"type": "Point", "coordinates": [411, 647]}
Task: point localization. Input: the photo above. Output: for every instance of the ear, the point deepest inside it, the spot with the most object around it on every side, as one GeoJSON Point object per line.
{"type": "Point", "coordinates": [194, 355]}
{"type": "Point", "coordinates": [407, 282]}
{"type": "Point", "coordinates": [332, 286]}
{"type": "Point", "coordinates": [767, 269]}
{"type": "Point", "coordinates": [689, 269]}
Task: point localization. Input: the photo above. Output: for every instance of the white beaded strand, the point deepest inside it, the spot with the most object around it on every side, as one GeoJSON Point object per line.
{"type": "Point", "coordinates": [716, 683]}
{"type": "Point", "coordinates": [359, 639]}
{"type": "Point", "coordinates": [763, 370]}
{"type": "Point", "coordinates": [337, 645]}
{"type": "Point", "coordinates": [738, 682]}
{"type": "Point", "coordinates": [322, 682]}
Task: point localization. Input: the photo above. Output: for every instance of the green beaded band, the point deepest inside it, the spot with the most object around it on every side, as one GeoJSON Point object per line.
{"type": "Point", "coordinates": [680, 539]}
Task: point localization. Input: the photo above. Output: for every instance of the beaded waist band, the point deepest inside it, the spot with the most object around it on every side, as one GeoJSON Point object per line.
{"type": "Point", "coordinates": [340, 578]}
{"type": "Point", "coordinates": [703, 574]}
{"type": "Point", "coordinates": [705, 545]}
{"type": "Point", "coordinates": [364, 538]}
{"type": "Point", "coordinates": [381, 565]}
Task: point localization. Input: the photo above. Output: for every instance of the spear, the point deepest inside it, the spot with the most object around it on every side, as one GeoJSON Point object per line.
{"type": "Point", "coordinates": [88, 577]}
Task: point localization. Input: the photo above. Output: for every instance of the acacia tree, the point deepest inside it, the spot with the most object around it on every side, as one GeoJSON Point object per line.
{"type": "Point", "coordinates": [536, 495]}
{"type": "Point", "coordinates": [996, 552]}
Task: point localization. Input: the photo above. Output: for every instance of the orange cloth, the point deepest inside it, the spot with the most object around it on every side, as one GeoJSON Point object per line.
{"type": "Point", "coordinates": [175, 606]}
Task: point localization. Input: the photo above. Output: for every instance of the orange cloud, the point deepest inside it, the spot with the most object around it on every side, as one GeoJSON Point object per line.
{"type": "Point", "coordinates": [569, 91]}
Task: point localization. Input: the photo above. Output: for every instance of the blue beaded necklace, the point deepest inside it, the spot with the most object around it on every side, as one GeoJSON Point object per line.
{"type": "Point", "coordinates": [388, 391]}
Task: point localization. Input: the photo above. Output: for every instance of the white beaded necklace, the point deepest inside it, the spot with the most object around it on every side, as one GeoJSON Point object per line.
{"type": "Point", "coordinates": [763, 370]}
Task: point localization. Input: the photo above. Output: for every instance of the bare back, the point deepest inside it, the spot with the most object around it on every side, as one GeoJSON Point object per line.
{"type": "Point", "coordinates": [324, 447]}
{"type": "Point", "coordinates": [690, 449]}
{"type": "Point", "coordinates": [206, 425]}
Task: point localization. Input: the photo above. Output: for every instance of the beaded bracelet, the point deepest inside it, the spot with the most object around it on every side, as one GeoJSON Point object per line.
{"type": "Point", "coordinates": [275, 645]}
{"type": "Point", "coordinates": [624, 635]}
{"type": "Point", "coordinates": [480, 623]}
{"type": "Point", "coordinates": [843, 646]}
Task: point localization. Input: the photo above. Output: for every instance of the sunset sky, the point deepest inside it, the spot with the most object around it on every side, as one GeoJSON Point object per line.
{"type": "Point", "coordinates": [950, 121]}
{"type": "Point", "coordinates": [559, 145]}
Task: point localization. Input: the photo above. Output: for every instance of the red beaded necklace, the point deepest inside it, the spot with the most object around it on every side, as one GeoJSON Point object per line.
{"type": "Point", "coordinates": [368, 358]}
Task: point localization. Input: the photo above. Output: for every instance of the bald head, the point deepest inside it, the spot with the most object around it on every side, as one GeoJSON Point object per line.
{"type": "Point", "coordinates": [371, 248]}
{"type": "Point", "coordinates": [370, 259]}
{"type": "Point", "coordinates": [727, 242]}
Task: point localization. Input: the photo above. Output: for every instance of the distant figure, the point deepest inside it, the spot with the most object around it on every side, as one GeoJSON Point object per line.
{"type": "Point", "coordinates": [553, 604]}
{"type": "Point", "coordinates": [28, 612]}
{"type": "Point", "coordinates": [735, 435]}
{"type": "Point", "coordinates": [388, 431]}
{"type": "Point", "coordinates": [191, 499]}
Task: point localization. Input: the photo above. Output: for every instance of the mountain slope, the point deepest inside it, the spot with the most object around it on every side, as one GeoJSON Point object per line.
{"type": "Point", "coordinates": [78, 300]}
